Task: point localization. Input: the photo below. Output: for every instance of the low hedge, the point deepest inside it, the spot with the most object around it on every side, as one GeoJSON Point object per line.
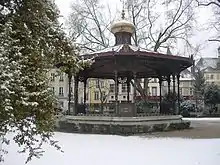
{"type": "Point", "coordinates": [159, 127]}
{"type": "Point", "coordinates": [179, 126]}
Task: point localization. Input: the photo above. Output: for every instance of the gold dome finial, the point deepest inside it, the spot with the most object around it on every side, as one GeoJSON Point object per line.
{"type": "Point", "coordinates": [122, 25]}
{"type": "Point", "coordinates": [123, 9]}
{"type": "Point", "coordinates": [123, 14]}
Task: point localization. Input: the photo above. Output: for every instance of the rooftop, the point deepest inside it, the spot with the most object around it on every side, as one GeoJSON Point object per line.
{"type": "Point", "coordinates": [207, 63]}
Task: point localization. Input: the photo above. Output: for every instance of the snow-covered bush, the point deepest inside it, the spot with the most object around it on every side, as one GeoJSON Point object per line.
{"type": "Point", "coordinates": [187, 105]}
{"type": "Point", "coordinates": [31, 41]}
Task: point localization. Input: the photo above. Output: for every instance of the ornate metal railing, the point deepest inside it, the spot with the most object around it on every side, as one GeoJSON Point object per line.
{"type": "Point", "coordinates": [108, 109]}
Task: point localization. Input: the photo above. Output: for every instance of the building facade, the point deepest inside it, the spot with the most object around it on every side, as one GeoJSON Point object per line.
{"type": "Point", "coordinates": [211, 69]}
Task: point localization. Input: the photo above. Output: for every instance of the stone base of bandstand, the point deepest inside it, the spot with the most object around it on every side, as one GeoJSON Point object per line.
{"type": "Point", "coordinates": [120, 125]}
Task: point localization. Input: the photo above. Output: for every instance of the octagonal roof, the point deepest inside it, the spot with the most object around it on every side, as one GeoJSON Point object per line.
{"type": "Point", "coordinates": [126, 59]}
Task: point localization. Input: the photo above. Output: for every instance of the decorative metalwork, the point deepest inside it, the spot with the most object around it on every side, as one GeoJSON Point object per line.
{"type": "Point", "coordinates": [122, 80]}
{"type": "Point", "coordinates": [81, 78]}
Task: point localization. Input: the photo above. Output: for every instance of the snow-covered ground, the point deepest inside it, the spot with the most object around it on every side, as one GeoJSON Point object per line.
{"type": "Point", "coordinates": [203, 119]}
{"type": "Point", "coordinates": [82, 149]}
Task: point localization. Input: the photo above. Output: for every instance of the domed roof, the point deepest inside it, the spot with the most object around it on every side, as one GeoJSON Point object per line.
{"type": "Point", "coordinates": [122, 26]}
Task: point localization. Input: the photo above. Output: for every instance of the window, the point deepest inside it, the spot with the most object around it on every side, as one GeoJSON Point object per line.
{"type": "Point", "coordinates": [101, 84]}
{"type": "Point", "coordinates": [81, 100]}
{"type": "Point", "coordinates": [207, 76]}
{"type": "Point", "coordinates": [61, 103]}
{"type": "Point", "coordinates": [181, 91]}
{"type": "Point", "coordinates": [211, 76]}
{"type": "Point", "coordinates": [154, 91]}
{"type": "Point", "coordinates": [155, 80]}
{"type": "Point", "coordinates": [87, 96]}
{"type": "Point", "coordinates": [52, 76]}
{"type": "Point", "coordinates": [112, 88]}
{"type": "Point", "coordinates": [53, 89]}
{"type": "Point", "coordinates": [123, 87]}
{"type": "Point", "coordinates": [97, 83]}
{"type": "Point", "coordinates": [112, 97]}
{"type": "Point", "coordinates": [60, 91]}
{"type": "Point", "coordinates": [61, 77]}
{"type": "Point", "coordinates": [190, 91]}
{"type": "Point", "coordinates": [124, 97]}
{"type": "Point", "coordinates": [103, 94]}
{"type": "Point", "coordinates": [96, 95]}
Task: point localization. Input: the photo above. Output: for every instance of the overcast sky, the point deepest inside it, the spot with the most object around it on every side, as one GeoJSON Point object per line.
{"type": "Point", "coordinates": [201, 36]}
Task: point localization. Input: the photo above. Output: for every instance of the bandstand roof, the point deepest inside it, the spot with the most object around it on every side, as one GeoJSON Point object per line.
{"type": "Point", "coordinates": [125, 59]}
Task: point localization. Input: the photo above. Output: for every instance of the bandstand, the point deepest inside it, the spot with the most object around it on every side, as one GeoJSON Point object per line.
{"type": "Point", "coordinates": [125, 62]}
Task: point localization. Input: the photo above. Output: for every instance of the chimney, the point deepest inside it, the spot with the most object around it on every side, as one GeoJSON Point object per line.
{"type": "Point", "coordinates": [193, 68]}
{"type": "Point", "coordinates": [168, 51]}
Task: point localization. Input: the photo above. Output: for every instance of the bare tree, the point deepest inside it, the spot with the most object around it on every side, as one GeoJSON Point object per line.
{"type": "Point", "coordinates": [215, 24]}
{"type": "Point", "coordinates": [104, 93]}
{"type": "Point", "coordinates": [89, 25]}
{"type": "Point", "coordinates": [103, 90]}
{"type": "Point", "coordinates": [159, 24]}
{"type": "Point", "coordinates": [177, 21]}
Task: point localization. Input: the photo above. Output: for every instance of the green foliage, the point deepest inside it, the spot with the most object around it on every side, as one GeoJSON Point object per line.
{"type": "Point", "coordinates": [212, 95]}
{"type": "Point", "coordinates": [199, 82]}
{"type": "Point", "coordinates": [172, 97]}
{"type": "Point", "coordinates": [159, 127]}
{"type": "Point", "coordinates": [31, 41]}
{"type": "Point", "coordinates": [179, 126]}
{"type": "Point", "coordinates": [144, 106]}
{"type": "Point", "coordinates": [187, 105]}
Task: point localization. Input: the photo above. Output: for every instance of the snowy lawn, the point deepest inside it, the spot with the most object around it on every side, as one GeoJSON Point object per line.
{"type": "Point", "coordinates": [82, 149]}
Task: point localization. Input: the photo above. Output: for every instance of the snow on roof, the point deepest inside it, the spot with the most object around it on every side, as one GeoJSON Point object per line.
{"type": "Point", "coordinates": [117, 48]}
{"type": "Point", "coordinates": [186, 75]}
{"type": "Point", "coordinates": [109, 49]}
{"type": "Point", "coordinates": [137, 48]}
{"type": "Point", "coordinates": [204, 63]}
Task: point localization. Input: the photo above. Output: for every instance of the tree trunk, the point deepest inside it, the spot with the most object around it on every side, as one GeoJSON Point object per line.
{"type": "Point", "coordinates": [69, 95]}
{"type": "Point", "coordinates": [102, 107]}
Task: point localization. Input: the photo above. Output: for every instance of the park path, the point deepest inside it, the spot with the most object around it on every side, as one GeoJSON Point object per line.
{"type": "Point", "coordinates": [201, 129]}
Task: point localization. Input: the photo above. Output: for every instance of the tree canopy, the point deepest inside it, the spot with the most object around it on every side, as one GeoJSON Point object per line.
{"type": "Point", "coordinates": [212, 95]}
{"type": "Point", "coordinates": [31, 42]}
{"type": "Point", "coordinates": [215, 21]}
{"type": "Point", "coordinates": [199, 82]}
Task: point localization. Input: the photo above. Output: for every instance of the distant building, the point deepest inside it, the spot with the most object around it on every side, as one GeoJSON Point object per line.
{"type": "Point", "coordinates": [59, 85]}
{"type": "Point", "coordinates": [211, 68]}
{"type": "Point", "coordinates": [186, 84]}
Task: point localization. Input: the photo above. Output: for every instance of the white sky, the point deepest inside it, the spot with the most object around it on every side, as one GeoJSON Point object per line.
{"type": "Point", "coordinates": [201, 35]}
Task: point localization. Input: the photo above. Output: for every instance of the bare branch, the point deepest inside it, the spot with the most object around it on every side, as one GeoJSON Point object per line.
{"type": "Point", "coordinates": [208, 4]}
{"type": "Point", "coordinates": [216, 40]}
